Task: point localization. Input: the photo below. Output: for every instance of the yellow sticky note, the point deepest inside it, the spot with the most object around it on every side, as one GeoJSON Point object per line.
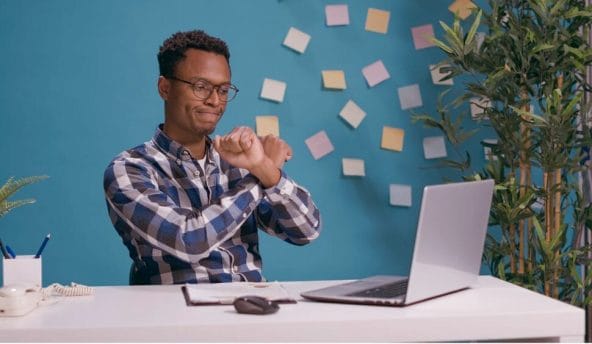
{"type": "Point", "coordinates": [392, 138]}
{"type": "Point", "coordinates": [334, 79]}
{"type": "Point", "coordinates": [377, 20]}
{"type": "Point", "coordinates": [267, 125]}
{"type": "Point", "coordinates": [462, 8]}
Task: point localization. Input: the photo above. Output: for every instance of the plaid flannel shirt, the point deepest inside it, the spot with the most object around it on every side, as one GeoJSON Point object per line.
{"type": "Point", "coordinates": [182, 224]}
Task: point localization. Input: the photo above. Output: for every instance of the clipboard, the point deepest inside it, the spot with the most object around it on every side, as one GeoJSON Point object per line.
{"type": "Point", "coordinates": [226, 293]}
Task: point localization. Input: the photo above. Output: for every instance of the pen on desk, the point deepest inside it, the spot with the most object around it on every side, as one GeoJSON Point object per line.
{"type": "Point", "coordinates": [3, 249]}
{"type": "Point", "coordinates": [40, 250]}
{"type": "Point", "coordinates": [10, 252]}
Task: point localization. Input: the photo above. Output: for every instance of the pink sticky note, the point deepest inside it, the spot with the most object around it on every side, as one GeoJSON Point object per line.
{"type": "Point", "coordinates": [422, 36]}
{"type": "Point", "coordinates": [319, 145]}
{"type": "Point", "coordinates": [337, 15]}
{"type": "Point", "coordinates": [375, 73]}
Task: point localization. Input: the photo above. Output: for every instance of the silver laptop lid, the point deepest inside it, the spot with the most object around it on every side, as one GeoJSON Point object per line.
{"type": "Point", "coordinates": [450, 238]}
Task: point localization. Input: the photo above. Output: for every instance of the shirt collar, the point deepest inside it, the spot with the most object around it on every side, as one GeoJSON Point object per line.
{"type": "Point", "coordinates": [177, 150]}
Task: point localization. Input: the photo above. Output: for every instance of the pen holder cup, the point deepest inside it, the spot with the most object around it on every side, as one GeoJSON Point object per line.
{"type": "Point", "coordinates": [24, 270]}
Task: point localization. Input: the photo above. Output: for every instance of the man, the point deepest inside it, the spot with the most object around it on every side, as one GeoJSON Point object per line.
{"type": "Point", "coordinates": [188, 207]}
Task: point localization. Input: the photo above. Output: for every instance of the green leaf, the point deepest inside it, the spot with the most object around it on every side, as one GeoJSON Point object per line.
{"type": "Point", "coordinates": [10, 188]}
{"type": "Point", "coordinates": [473, 29]}
{"type": "Point", "coordinates": [6, 206]}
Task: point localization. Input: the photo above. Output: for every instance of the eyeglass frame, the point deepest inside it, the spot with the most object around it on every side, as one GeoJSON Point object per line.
{"type": "Point", "coordinates": [214, 87]}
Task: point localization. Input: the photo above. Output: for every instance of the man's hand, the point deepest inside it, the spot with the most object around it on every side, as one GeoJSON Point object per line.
{"type": "Point", "coordinates": [242, 148]}
{"type": "Point", "coordinates": [276, 149]}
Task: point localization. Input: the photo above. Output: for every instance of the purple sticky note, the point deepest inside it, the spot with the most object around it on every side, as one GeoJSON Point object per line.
{"type": "Point", "coordinates": [422, 36]}
{"type": "Point", "coordinates": [375, 73]}
{"type": "Point", "coordinates": [319, 145]}
{"type": "Point", "coordinates": [337, 15]}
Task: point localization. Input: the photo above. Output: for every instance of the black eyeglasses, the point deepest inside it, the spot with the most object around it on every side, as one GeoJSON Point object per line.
{"type": "Point", "coordinates": [202, 89]}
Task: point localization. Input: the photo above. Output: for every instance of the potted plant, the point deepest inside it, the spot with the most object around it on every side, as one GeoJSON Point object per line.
{"type": "Point", "coordinates": [527, 74]}
{"type": "Point", "coordinates": [11, 187]}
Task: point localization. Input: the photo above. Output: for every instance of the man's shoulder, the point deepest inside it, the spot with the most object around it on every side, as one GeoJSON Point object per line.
{"type": "Point", "coordinates": [144, 153]}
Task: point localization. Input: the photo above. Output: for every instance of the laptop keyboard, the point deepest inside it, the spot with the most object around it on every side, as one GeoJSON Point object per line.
{"type": "Point", "coordinates": [384, 291]}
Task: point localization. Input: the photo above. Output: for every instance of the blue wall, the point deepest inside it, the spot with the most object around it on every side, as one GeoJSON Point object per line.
{"type": "Point", "coordinates": [79, 86]}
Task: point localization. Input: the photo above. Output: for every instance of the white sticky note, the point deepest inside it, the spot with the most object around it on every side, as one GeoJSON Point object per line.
{"type": "Point", "coordinates": [410, 97]}
{"type": "Point", "coordinates": [375, 73]}
{"type": "Point", "coordinates": [487, 151]}
{"type": "Point", "coordinates": [437, 75]}
{"type": "Point", "coordinates": [297, 40]}
{"type": "Point", "coordinates": [400, 195]}
{"type": "Point", "coordinates": [273, 90]}
{"type": "Point", "coordinates": [352, 113]}
{"type": "Point", "coordinates": [337, 15]}
{"type": "Point", "coordinates": [477, 107]}
{"type": "Point", "coordinates": [434, 147]}
{"type": "Point", "coordinates": [480, 37]}
{"type": "Point", "coordinates": [353, 167]}
{"type": "Point", "coordinates": [319, 145]}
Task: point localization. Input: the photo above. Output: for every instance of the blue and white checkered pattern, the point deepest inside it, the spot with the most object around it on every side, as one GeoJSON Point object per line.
{"type": "Point", "coordinates": [182, 224]}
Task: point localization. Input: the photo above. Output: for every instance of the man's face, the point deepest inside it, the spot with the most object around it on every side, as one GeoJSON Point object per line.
{"type": "Point", "coordinates": [187, 117]}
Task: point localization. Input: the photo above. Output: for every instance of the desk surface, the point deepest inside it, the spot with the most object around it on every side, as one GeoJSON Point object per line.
{"type": "Point", "coordinates": [491, 310]}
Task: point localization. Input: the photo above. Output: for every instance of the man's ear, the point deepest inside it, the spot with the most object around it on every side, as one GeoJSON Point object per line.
{"type": "Point", "coordinates": [163, 87]}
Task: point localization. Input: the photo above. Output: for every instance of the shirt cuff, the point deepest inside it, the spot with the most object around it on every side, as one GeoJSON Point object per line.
{"type": "Point", "coordinates": [282, 191]}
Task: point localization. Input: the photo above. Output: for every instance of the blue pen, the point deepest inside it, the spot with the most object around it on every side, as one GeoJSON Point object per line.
{"type": "Point", "coordinates": [3, 249]}
{"type": "Point", "coordinates": [40, 250]}
{"type": "Point", "coordinates": [10, 252]}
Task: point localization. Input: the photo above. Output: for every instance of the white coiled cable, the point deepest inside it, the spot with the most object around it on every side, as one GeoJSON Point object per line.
{"type": "Point", "coordinates": [74, 289]}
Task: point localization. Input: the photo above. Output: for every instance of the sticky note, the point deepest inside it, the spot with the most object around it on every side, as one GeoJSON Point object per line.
{"type": "Point", "coordinates": [334, 79]}
{"type": "Point", "coordinates": [479, 37]}
{"type": "Point", "coordinates": [487, 152]}
{"type": "Point", "coordinates": [392, 138]}
{"type": "Point", "coordinates": [353, 167]}
{"type": "Point", "coordinates": [296, 40]}
{"type": "Point", "coordinates": [409, 97]}
{"type": "Point", "coordinates": [377, 20]}
{"type": "Point", "coordinates": [462, 8]}
{"type": "Point", "coordinates": [437, 75]}
{"type": "Point", "coordinates": [400, 195]}
{"type": "Point", "coordinates": [375, 73]}
{"type": "Point", "coordinates": [539, 204]}
{"type": "Point", "coordinates": [477, 107]}
{"type": "Point", "coordinates": [422, 36]}
{"type": "Point", "coordinates": [267, 125]}
{"type": "Point", "coordinates": [352, 113]}
{"type": "Point", "coordinates": [337, 15]}
{"type": "Point", "coordinates": [273, 90]}
{"type": "Point", "coordinates": [434, 147]}
{"type": "Point", "coordinates": [319, 145]}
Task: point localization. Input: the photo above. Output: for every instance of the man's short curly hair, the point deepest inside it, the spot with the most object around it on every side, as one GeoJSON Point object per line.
{"type": "Point", "coordinates": [173, 49]}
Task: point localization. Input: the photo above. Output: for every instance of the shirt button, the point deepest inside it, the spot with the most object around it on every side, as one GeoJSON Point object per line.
{"type": "Point", "coordinates": [196, 173]}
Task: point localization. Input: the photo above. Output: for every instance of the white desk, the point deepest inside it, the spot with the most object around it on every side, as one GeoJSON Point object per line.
{"type": "Point", "coordinates": [492, 310]}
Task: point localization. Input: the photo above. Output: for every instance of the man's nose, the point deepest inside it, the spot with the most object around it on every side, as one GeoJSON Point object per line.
{"type": "Point", "coordinates": [214, 98]}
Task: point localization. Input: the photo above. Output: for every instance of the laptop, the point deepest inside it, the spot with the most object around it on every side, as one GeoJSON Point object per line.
{"type": "Point", "coordinates": [447, 254]}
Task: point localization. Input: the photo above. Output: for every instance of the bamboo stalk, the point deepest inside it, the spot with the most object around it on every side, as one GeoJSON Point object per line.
{"type": "Point", "coordinates": [557, 218]}
{"type": "Point", "coordinates": [524, 173]}
{"type": "Point", "coordinates": [557, 208]}
{"type": "Point", "coordinates": [548, 201]}
{"type": "Point", "coordinates": [512, 248]}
